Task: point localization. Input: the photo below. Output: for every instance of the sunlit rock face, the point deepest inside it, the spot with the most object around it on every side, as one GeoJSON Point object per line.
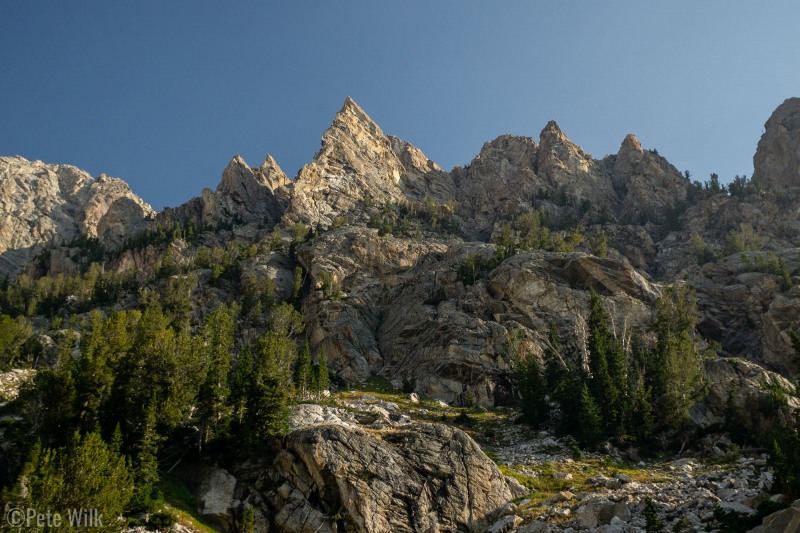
{"type": "Point", "coordinates": [44, 205]}
{"type": "Point", "coordinates": [244, 195]}
{"type": "Point", "coordinates": [777, 159]}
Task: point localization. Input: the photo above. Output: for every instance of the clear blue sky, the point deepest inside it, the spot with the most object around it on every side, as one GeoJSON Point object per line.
{"type": "Point", "coordinates": [163, 93]}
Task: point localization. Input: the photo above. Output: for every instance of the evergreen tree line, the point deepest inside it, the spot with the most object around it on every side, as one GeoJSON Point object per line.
{"type": "Point", "coordinates": [136, 391]}
{"type": "Point", "coordinates": [625, 390]}
{"type": "Point", "coordinates": [641, 393]}
{"type": "Point", "coordinates": [78, 292]}
{"type": "Point", "coordinates": [767, 421]}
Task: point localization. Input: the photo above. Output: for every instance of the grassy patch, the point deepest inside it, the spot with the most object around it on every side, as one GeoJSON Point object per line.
{"type": "Point", "coordinates": [544, 483]}
{"type": "Point", "coordinates": [183, 504]}
{"type": "Point", "coordinates": [377, 384]}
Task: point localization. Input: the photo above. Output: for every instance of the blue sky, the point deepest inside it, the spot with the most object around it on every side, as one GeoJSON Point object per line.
{"type": "Point", "coordinates": [163, 94]}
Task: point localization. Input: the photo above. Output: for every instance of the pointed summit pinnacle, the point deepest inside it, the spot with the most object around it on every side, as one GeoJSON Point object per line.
{"type": "Point", "coordinates": [353, 119]}
{"type": "Point", "coordinates": [552, 133]}
{"type": "Point", "coordinates": [349, 103]}
{"type": "Point", "coordinates": [552, 127]}
{"type": "Point", "coordinates": [631, 143]}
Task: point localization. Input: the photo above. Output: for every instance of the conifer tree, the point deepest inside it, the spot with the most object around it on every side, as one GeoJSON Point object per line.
{"type": "Point", "coordinates": [267, 413]}
{"type": "Point", "coordinates": [601, 347]}
{"type": "Point", "coordinates": [323, 377]}
{"type": "Point", "coordinates": [303, 371]}
{"type": "Point", "coordinates": [216, 341]}
{"type": "Point", "coordinates": [116, 442]}
{"type": "Point", "coordinates": [240, 384]}
{"type": "Point", "coordinates": [678, 373]}
{"type": "Point", "coordinates": [85, 474]}
{"type": "Point", "coordinates": [145, 464]}
{"type": "Point", "coordinates": [534, 390]}
{"type": "Point", "coordinates": [589, 427]}
{"type": "Point", "coordinates": [563, 383]}
{"type": "Point", "coordinates": [14, 333]}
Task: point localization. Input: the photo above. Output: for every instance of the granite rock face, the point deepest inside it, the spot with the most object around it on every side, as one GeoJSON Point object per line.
{"type": "Point", "coordinates": [741, 384]}
{"type": "Point", "coordinates": [784, 521]}
{"type": "Point", "coordinates": [244, 196]}
{"type": "Point", "coordinates": [357, 468]}
{"type": "Point", "coordinates": [649, 186]}
{"type": "Point", "coordinates": [371, 309]}
{"type": "Point", "coordinates": [426, 478]}
{"type": "Point", "coordinates": [777, 159]}
{"type": "Point", "coordinates": [45, 205]}
{"type": "Point", "coordinates": [355, 164]}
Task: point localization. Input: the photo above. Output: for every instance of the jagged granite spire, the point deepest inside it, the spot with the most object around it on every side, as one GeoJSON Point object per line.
{"type": "Point", "coordinates": [777, 159]}
{"type": "Point", "coordinates": [244, 195]}
{"type": "Point", "coordinates": [356, 161]}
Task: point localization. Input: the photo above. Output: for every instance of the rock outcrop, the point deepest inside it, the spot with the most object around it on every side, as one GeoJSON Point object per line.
{"type": "Point", "coordinates": [355, 164]}
{"type": "Point", "coordinates": [358, 469]}
{"type": "Point", "coordinates": [44, 205]}
{"type": "Point", "coordinates": [397, 308]}
{"type": "Point", "coordinates": [785, 521]}
{"type": "Point", "coordinates": [649, 187]}
{"type": "Point", "coordinates": [739, 384]}
{"type": "Point", "coordinates": [777, 160]}
{"type": "Point", "coordinates": [499, 181]}
{"type": "Point", "coordinates": [244, 196]}
{"type": "Point", "coordinates": [426, 478]}
{"type": "Point", "coordinates": [563, 165]}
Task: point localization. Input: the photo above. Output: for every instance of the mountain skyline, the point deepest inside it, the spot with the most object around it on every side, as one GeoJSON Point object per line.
{"type": "Point", "coordinates": [164, 100]}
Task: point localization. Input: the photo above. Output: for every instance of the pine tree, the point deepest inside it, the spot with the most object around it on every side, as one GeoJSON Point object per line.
{"type": "Point", "coordinates": [267, 410]}
{"type": "Point", "coordinates": [85, 474]}
{"type": "Point", "coordinates": [564, 385]}
{"type": "Point", "coordinates": [303, 371]}
{"type": "Point", "coordinates": [145, 465]}
{"type": "Point", "coordinates": [241, 384]}
{"type": "Point", "coordinates": [641, 414]}
{"type": "Point", "coordinates": [248, 520]}
{"type": "Point", "coordinates": [267, 413]}
{"type": "Point", "coordinates": [601, 347]}
{"type": "Point", "coordinates": [589, 428]}
{"type": "Point", "coordinates": [106, 342]}
{"type": "Point", "coordinates": [618, 372]}
{"type": "Point", "coordinates": [678, 374]}
{"type": "Point", "coordinates": [795, 337]}
{"type": "Point", "coordinates": [639, 390]}
{"type": "Point", "coordinates": [14, 333]}
{"type": "Point", "coordinates": [47, 406]}
{"type": "Point", "coordinates": [653, 523]}
{"type": "Point", "coordinates": [323, 378]}
{"type": "Point", "coordinates": [534, 390]}
{"type": "Point", "coordinates": [216, 341]}
{"type": "Point", "coordinates": [115, 444]}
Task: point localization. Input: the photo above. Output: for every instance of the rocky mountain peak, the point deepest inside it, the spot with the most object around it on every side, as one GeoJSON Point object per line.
{"type": "Point", "coordinates": [554, 142]}
{"type": "Point", "coordinates": [551, 128]}
{"type": "Point", "coordinates": [353, 120]}
{"type": "Point", "coordinates": [777, 160]}
{"type": "Point", "coordinates": [44, 204]}
{"type": "Point", "coordinates": [630, 144]}
{"type": "Point", "coordinates": [271, 174]}
{"type": "Point", "coordinates": [236, 175]}
{"type": "Point", "coordinates": [356, 161]}
{"type": "Point", "coordinates": [244, 195]}
{"type": "Point", "coordinates": [630, 158]}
